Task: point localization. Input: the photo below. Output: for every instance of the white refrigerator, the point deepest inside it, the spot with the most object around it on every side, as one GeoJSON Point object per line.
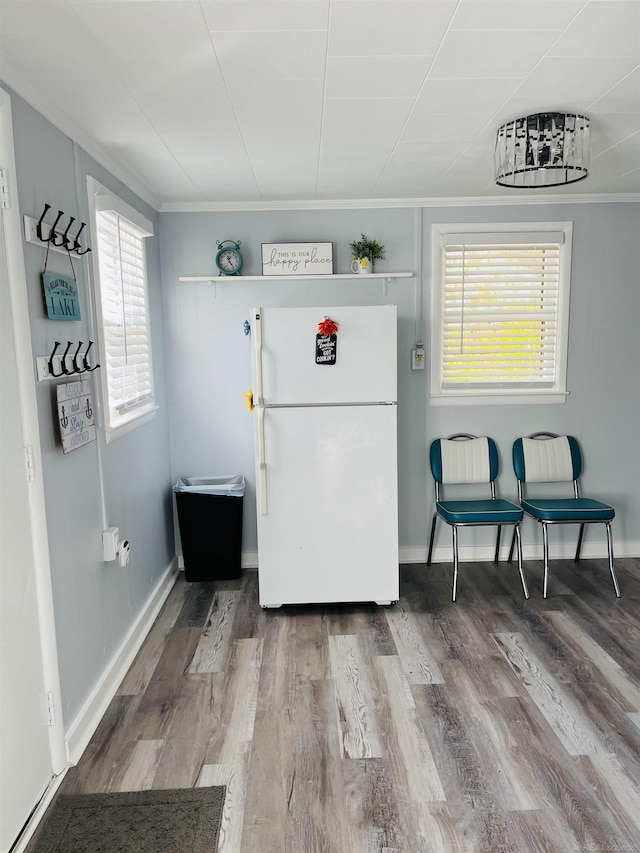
{"type": "Point", "coordinates": [326, 454]}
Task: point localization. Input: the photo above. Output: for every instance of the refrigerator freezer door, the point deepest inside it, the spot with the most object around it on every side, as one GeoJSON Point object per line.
{"type": "Point", "coordinates": [365, 369]}
{"type": "Point", "coordinates": [331, 530]}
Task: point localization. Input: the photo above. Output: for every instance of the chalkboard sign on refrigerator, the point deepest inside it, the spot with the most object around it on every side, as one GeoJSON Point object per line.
{"type": "Point", "coordinates": [326, 349]}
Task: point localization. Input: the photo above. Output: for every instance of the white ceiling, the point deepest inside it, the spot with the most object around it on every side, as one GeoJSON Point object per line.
{"type": "Point", "coordinates": [242, 103]}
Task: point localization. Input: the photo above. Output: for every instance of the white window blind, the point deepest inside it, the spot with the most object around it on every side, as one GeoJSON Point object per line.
{"type": "Point", "coordinates": [125, 317]}
{"type": "Point", "coordinates": [500, 311]}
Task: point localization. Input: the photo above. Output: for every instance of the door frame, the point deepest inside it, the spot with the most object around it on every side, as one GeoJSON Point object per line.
{"type": "Point", "coordinates": [31, 437]}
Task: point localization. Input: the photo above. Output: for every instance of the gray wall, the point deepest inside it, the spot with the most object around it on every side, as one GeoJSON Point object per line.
{"type": "Point", "coordinates": [209, 359]}
{"type": "Point", "coordinates": [96, 603]}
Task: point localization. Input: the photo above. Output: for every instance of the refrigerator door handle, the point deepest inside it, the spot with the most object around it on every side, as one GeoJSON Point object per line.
{"type": "Point", "coordinates": [262, 465]}
{"type": "Point", "coordinates": [257, 330]}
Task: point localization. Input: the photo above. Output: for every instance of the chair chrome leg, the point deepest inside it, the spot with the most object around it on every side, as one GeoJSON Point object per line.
{"type": "Point", "coordinates": [455, 560]}
{"type": "Point", "coordinates": [611, 569]}
{"type": "Point", "coordinates": [516, 533]}
{"type": "Point", "coordinates": [497, 554]}
{"type": "Point", "coordinates": [579, 545]}
{"type": "Point", "coordinates": [545, 545]}
{"type": "Point", "coordinates": [513, 542]}
{"type": "Point", "coordinates": [433, 533]}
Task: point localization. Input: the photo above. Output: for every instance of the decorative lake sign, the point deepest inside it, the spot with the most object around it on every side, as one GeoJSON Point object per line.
{"type": "Point", "coordinates": [61, 296]}
{"type": "Point", "coordinates": [326, 349]}
{"type": "Point", "coordinates": [291, 259]}
{"type": "Point", "coordinates": [75, 415]}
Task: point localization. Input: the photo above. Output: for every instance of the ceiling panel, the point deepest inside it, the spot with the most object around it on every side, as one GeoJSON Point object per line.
{"type": "Point", "coordinates": [394, 28]}
{"type": "Point", "coordinates": [621, 158]}
{"type": "Point", "coordinates": [442, 130]}
{"type": "Point", "coordinates": [153, 162]}
{"type": "Point", "coordinates": [297, 107]}
{"type": "Point", "coordinates": [513, 15]}
{"type": "Point", "coordinates": [109, 112]}
{"type": "Point", "coordinates": [254, 100]}
{"type": "Point", "coordinates": [602, 30]}
{"type": "Point", "coordinates": [16, 16]}
{"type": "Point", "coordinates": [362, 123]}
{"type": "Point", "coordinates": [273, 55]}
{"type": "Point", "coordinates": [67, 56]}
{"type": "Point", "coordinates": [299, 185]}
{"type": "Point", "coordinates": [622, 97]}
{"type": "Point", "coordinates": [417, 164]}
{"type": "Point", "coordinates": [376, 76]}
{"type": "Point", "coordinates": [145, 38]}
{"type": "Point", "coordinates": [628, 183]}
{"type": "Point", "coordinates": [577, 82]}
{"type": "Point", "coordinates": [464, 96]}
{"type": "Point", "coordinates": [605, 136]}
{"type": "Point", "coordinates": [490, 53]}
{"type": "Point", "coordinates": [256, 15]}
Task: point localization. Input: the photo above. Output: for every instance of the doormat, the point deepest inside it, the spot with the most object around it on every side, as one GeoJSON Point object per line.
{"type": "Point", "coordinates": [186, 820]}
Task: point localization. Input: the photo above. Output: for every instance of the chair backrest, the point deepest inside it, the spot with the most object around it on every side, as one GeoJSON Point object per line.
{"type": "Point", "coordinates": [547, 458]}
{"type": "Point", "coordinates": [464, 458]}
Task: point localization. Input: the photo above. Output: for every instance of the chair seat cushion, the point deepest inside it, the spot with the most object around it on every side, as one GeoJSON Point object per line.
{"type": "Point", "coordinates": [568, 509]}
{"type": "Point", "coordinates": [479, 512]}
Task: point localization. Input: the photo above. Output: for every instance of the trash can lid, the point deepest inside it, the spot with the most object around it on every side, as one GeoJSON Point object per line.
{"type": "Point", "coordinates": [231, 485]}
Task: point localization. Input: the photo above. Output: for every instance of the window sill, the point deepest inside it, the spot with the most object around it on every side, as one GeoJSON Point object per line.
{"type": "Point", "coordinates": [534, 398]}
{"type": "Point", "coordinates": [133, 422]}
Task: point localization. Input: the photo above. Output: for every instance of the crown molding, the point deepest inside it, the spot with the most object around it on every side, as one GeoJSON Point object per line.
{"type": "Point", "coordinates": [387, 203]}
{"type": "Point", "coordinates": [60, 120]}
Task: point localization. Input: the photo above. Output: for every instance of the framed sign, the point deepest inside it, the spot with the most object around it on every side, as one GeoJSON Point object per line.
{"type": "Point", "coordinates": [75, 414]}
{"type": "Point", "coordinates": [61, 296]}
{"type": "Point", "coordinates": [291, 259]}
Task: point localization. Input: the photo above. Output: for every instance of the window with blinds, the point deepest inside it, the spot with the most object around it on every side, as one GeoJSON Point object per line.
{"type": "Point", "coordinates": [124, 308]}
{"type": "Point", "coordinates": [502, 313]}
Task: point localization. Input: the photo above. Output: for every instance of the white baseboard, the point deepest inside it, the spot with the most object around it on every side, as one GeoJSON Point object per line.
{"type": "Point", "coordinates": [474, 553]}
{"type": "Point", "coordinates": [81, 730]}
{"type": "Point", "coordinates": [484, 553]}
{"type": "Point", "coordinates": [38, 813]}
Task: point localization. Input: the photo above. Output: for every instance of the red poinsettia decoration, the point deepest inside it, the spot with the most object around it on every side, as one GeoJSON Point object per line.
{"type": "Point", "coordinates": [328, 327]}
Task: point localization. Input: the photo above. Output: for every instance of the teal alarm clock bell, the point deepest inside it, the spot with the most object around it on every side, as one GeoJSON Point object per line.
{"type": "Point", "coordinates": [228, 258]}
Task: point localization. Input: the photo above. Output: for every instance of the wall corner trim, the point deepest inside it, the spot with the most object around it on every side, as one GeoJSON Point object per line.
{"type": "Point", "coordinates": [82, 728]}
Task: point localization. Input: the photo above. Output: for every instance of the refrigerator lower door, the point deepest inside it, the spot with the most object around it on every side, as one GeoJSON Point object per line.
{"type": "Point", "coordinates": [330, 532]}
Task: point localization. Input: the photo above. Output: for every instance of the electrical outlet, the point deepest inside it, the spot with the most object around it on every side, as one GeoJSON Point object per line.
{"type": "Point", "coordinates": [417, 358]}
{"type": "Point", "coordinates": [110, 544]}
{"type": "Point", "coordinates": [43, 367]}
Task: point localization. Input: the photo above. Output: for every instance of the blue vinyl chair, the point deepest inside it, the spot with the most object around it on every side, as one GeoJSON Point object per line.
{"type": "Point", "coordinates": [464, 459]}
{"type": "Point", "coordinates": [545, 457]}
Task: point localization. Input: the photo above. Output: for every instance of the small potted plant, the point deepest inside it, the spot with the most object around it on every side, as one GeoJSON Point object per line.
{"type": "Point", "coordinates": [365, 253]}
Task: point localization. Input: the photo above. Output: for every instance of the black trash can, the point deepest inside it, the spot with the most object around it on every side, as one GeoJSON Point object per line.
{"type": "Point", "coordinates": [210, 521]}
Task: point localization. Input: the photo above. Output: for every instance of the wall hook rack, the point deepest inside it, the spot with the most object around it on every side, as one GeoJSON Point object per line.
{"type": "Point", "coordinates": [70, 364]}
{"type": "Point", "coordinates": [38, 232]}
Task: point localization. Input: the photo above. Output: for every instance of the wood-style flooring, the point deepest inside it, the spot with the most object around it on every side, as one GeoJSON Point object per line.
{"type": "Point", "coordinates": [489, 724]}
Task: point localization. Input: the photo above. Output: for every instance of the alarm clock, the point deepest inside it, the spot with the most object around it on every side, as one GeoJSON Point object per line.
{"type": "Point", "coordinates": [228, 258]}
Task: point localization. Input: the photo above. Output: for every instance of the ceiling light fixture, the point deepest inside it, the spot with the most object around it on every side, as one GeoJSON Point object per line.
{"type": "Point", "coordinates": [542, 150]}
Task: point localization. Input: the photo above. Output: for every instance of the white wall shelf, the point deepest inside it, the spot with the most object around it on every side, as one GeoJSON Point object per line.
{"type": "Point", "coordinates": [236, 278]}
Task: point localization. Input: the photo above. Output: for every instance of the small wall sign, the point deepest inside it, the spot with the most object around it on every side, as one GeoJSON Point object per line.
{"type": "Point", "coordinates": [291, 259]}
{"type": "Point", "coordinates": [61, 296]}
{"type": "Point", "coordinates": [75, 415]}
{"type": "Point", "coordinates": [326, 349]}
